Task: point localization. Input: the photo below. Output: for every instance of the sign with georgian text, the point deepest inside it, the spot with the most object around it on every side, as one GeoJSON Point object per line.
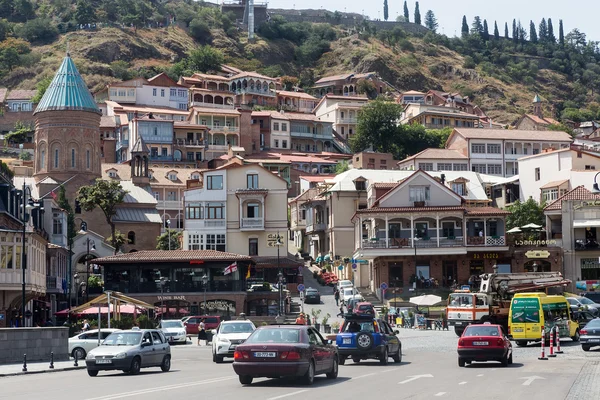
{"type": "Point", "coordinates": [586, 203]}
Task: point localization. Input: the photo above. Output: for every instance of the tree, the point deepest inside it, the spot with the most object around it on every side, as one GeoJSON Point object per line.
{"type": "Point", "coordinates": [561, 33]}
{"type": "Point", "coordinates": [341, 166]}
{"type": "Point", "coordinates": [205, 59]}
{"type": "Point", "coordinates": [366, 86]}
{"type": "Point", "coordinates": [496, 31]}
{"type": "Point", "coordinates": [465, 27]}
{"type": "Point", "coordinates": [377, 127]}
{"type": "Point", "coordinates": [84, 14]}
{"type": "Point", "coordinates": [63, 203]}
{"type": "Point", "coordinates": [551, 37]}
{"type": "Point", "coordinates": [171, 235]}
{"type": "Point", "coordinates": [200, 30]}
{"type": "Point", "coordinates": [289, 82]}
{"type": "Point", "coordinates": [20, 133]}
{"type": "Point", "coordinates": [406, 13]}
{"type": "Point", "coordinates": [532, 33]}
{"type": "Point", "coordinates": [515, 32]}
{"type": "Point", "coordinates": [106, 195]}
{"type": "Point", "coordinates": [543, 31]}
{"type": "Point", "coordinates": [41, 88]}
{"type": "Point", "coordinates": [417, 14]}
{"type": "Point", "coordinates": [485, 35]}
{"type": "Point", "coordinates": [385, 10]}
{"type": "Point", "coordinates": [506, 30]}
{"type": "Point", "coordinates": [9, 58]}
{"type": "Point", "coordinates": [523, 213]}
{"type": "Point", "coordinates": [521, 32]}
{"type": "Point", "coordinates": [476, 26]}
{"type": "Point", "coordinates": [430, 21]}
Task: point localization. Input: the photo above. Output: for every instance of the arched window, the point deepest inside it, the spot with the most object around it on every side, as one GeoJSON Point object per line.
{"type": "Point", "coordinates": [43, 160]}
{"type": "Point", "coordinates": [131, 237]}
{"type": "Point", "coordinates": [88, 160]}
{"type": "Point", "coordinates": [56, 155]}
{"type": "Point", "coordinates": [73, 164]}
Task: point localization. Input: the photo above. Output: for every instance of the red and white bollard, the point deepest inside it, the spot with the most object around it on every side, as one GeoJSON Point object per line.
{"type": "Point", "coordinates": [552, 343]}
{"type": "Point", "coordinates": [558, 350]}
{"type": "Point", "coordinates": [543, 357]}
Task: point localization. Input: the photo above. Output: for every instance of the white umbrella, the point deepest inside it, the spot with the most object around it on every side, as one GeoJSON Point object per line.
{"type": "Point", "coordinates": [425, 300]}
{"type": "Point", "coordinates": [516, 229]}
{"type": "Point", "coordinates": [531, 226]}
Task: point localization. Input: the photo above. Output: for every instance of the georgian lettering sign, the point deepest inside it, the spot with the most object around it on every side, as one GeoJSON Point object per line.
{"type": "Point", "coordinates": [549, 242]}
{"type": "Point", "coordinates": [537, 254]}
{"type": "Point", "coordinates": [586, 203]}
{"type": "Point", "coordinates": [481, 256]}
{"type": "Point", "coordinates": [223, 305]}
{"type": "Point", "coordinates": [165, 298]}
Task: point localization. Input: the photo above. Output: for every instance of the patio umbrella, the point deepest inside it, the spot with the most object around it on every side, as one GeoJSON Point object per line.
{"type": "Point", "coordinates": [426, 300]}
{"type": "Point", "coordinates": [531, 226]}
{"type": "Point", "coordinates": [516, 229]}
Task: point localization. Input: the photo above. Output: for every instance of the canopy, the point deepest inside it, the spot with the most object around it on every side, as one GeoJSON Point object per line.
{"type": "Point", "coordinates": [516, 229]}
{"type": "Point", "coordinates": [425, 300]}
{"type": "Point", "coordinates": [531, 226]}
{"type": "Point", "coordinates": [114, 296]}
{"type": "Point", "coordinates": [123, 309]}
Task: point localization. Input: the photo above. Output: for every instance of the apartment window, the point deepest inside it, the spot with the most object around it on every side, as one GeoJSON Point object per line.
{"type": "Point", "coordinates": [171, 196]}
{"type": "Point", "coordinates": [190, 156]}
{"type": "Point", "coordinates": [459, 188]}
{"type": "Point", "coordinates": [537, 174]}
{"type": "Point", "coordinates": [252, 181]}
{"type": "Point", "coordinates": [276, 143]}
{"type": "Point", "coordinates": [154, 92]}
{"type": "Point", "coordinates": [162, 92]}
{"type": "Point", "coordinates": [448, 229]}
{"type": "Point", "coordinates": [350, 131]}
{"type": "Point", "coordinates": [253, 210]}
{"type": "Point", "coordinates": [589, 167]}
{"type": "Point", "coordinates": [155, 131]}
{"type": "Point", "coordinates": [419, 193]}
{"type": "Point", "coordinates": [383, 162]}
{"type": "Point", "coordinates": [215, 242]}
{"type": "Point", "coordinates": [215, 211]}
{"type": "Point", "coordinates": [478, 148]}
{"type": "Point", "coordinates": [112, 174]}
{"type": "Point", "coordinates": [480, 168]}
{"type": "Point", "coordinates": [131, 237]}
{"type": "Point", "coordinates": [284, 144]}
{"type": "Point", "coordinates": [172, 177]}
{"type": "Point", "coordinates": [579, 155]}
{"type": "Point", "coordinates": [153, 152]}
{"type": "Point", "coordinates": [194, 211]}
{"type": "Point", "coordinates": [181, 93]}
{"type": "Point", "coordinates": [195, 242]}
{"type": "Point", "coordinates": [173, 92]}
{"type": "Point", "coordinates": [253, 247]}
{"type": "Point", "coordinates": [72, 158]}
{"type": "Point", "coordinates": [426, 166]}
{"type": "Point", "coordinates": [57, 224]}
{"type": "Point", "coordinates": [493, 149]}
{"type": "Point", "coordinates": [549, 194]}
{"type": "Point", "coordinates": [444, 167]}
{"type": "Point", "coordinates": [494, 169]}
{"type": "Point", "coordinates": [214, 182]}
{"type": "Point", "coordinates": [360, 185]}
{"type": "Point", "coordinates": [164, 152]}
{"type": "Point", "coordinates": [460, 167]}
{"type": "Point", "coordinates": [283, 127]}
{"type": "Point", "coordinates": [88, 159]}
{"type": "Point", "coordinates": [157, 195]}
{"type": "Point", "coordinates": [182, 106]}
{"type": "Point", "coordinates": [275, 126]}
{"type": "Point", "coordinates": [536, 151]}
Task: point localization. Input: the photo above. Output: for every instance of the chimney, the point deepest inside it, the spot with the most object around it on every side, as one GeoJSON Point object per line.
{"type": "Point", "coordinates": [443, 177]}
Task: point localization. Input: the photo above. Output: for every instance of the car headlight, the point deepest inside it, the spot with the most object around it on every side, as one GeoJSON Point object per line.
{"type": "Point", "coordinates": [121, 355]}
{"type": "Point", "coordinates": [90, 356]}
{"type": "Point", "coordinates": [182, 333]}
{"type": "Point", "coordinates": [223, 340]}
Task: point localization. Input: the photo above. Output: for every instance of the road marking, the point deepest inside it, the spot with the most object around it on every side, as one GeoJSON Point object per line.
{"type": "Point", "coordinates": [462, 383]}
{"type": "Point", "coordinates": [480, 375]}
{"type": "Point", "coordinates": [364, 376]}
{"type": "Point", "coordinates": [530, 379]}
{"type": "Point", "coordinates": [159, 389]}
{"type": "Point", "coordinates": [414, 378]}
{"type": "Point", "coordinates": [287, 395]}
{"type": "Point", "coordinates": [440, 394]}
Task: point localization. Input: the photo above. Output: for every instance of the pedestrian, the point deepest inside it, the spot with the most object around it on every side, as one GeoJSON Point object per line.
{"type": "Point", "coordinates": [86, 325]}
{"type": "Point", "coordinates": [336, 295]}
{"type": "Point", "coordinates": [202, 332]}
{"type": "Point", "coordinates": [341, 313]}
{"type": "Point", "coordinates": [288, 303]}
{"type": "Point", "coordinates": [301, 320]}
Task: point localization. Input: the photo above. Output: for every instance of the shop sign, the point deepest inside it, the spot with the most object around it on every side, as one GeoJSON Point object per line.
{"type": "Point", "coordinates": [588, 286]}
{"type": "Point", "coordinates": [482, 256]}
{"type": "Point", "coordinates": [586, 203]}
{"type": "Point", "coordinates": [272, 239]}
{"type": "Point", "coordinates": [220, 305]}
{"type": "Point", "coordinates": [537, 254]}
{"type": "Point", "coordinates": [165, 298]}
{"type": "Point", "coordinates": [550, 242]}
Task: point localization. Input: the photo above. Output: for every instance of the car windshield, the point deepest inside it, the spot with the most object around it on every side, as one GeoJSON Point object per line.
{"type": "Point", "coordinates": [481, 331]}
{"type": "Point", "coordinates": [595, 323]}
{"type": "Point", "coordinates": [275, 335]}
{"type": "Point", "coordinates": [461, 300]}
{"type": "Point", "coordinates": [364, 307]}
{"type": "Point", "coordinates": [311, 291]}
{"type": "Point", "coordinates": [236, 327]}
{"type": "Point", "coordinates": [171, 324]}
{"type": "Point", "coordinates": [345, 283]}
{"type": "Point", "coordinates": [123, 339]}
{"type": "Point", "coordinates": [585, 300]}
{"type": "Point", "coordinates": [359, 326]}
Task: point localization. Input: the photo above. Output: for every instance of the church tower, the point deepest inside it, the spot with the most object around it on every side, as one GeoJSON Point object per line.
{"type": "Point", "coordinates": [67, 133]}
{"type": "Point", "coordinates": [139, 163]}
{"type": "Point", "coordinates": [537, 106]}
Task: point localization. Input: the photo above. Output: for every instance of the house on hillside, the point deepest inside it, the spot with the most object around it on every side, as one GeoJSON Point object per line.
{"type": "Point", "coordinates": [535, 121]}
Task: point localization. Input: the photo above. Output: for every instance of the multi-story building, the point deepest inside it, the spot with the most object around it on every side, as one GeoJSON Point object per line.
{"type": "Point", "coordinates": [535, 121]}
{"type": "Point", "coordinates": [296, 101]}
{"type": "Point", "coordinates": [373, 160]}
{"type": "Point", "coordinates": [16, 106]}
{"type": "Point", "coordinates": [309, 134]}
{"type": "Point", "coordinates": [436, 160]}
{"type": "Point", "coordinates": [348, 84]}
{"type": "Point", "coordinates": [20, 100]}
{"type": "Point", "coordinates": [223, 128]}
{"type": "Point", "coordinates": [341, 112]}
{"type": "Point", "coordinates": [412, 97]}
{"type": "Point", "coordinates": [438, 117]}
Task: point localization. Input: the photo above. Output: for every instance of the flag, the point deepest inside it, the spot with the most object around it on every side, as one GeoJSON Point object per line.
{"type": "Point", "coordinates": [231, 268]}
{"type": "Point", "coordinates": [54, 196]}
{"type": "Point", "coordinates": [248, 273]}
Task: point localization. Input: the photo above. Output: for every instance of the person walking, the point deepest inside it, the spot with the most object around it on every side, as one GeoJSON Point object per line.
{"type": "Point", "coordinates": [202, 332]}
{"type": "Point", "coordinates": [86, 325]}
{"type": "Point", "coordinates": [336, 295]}
{"type": "Point", "coordinates": [341, 313]}
{"type": "Point", "coordinates": [301, 320]}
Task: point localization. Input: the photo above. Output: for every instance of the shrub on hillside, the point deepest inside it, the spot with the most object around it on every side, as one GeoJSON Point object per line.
{"type": "Point", "coordinates": [37, 31]}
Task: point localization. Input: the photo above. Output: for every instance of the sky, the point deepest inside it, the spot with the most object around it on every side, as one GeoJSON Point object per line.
{"type": "Point", "coordinates": [449, 13]}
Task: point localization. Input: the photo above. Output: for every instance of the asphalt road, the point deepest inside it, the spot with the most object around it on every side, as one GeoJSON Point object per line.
{"type": "Point", "coordinates": [327, 305]}
{"type": "Point", "coordinates": [429, 371]}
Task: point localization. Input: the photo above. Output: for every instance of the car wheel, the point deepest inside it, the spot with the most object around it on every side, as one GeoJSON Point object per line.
{"type": "Point", "coordinates": [92, 372]}
{"type": "Point", "coordinates": [356, 359]}
{"type": "Point", "coordinates": [135, 366]}
{"type": "Point", "coordinates": [398, 356]}
{"type": "Point", "coordinates": [364, 341]}
{"type": "Point", "coordinates": [459, 331]}
{"type": "Point", "coordinates": [342, 360]}
{"type": "Point", "coordinates": [467, 362]}
{"type": "Point", "coordinates": [461, 362]}
{"type": "Point", "coordinates": [218, 359]}
{"type": "Point", "coordinates": [521, 343]}
{"type": "Point", "coordinates": [504, 361]}
{"type": "Point", "coordinates": [214, 357]}
{"type": "Point", "coordinates": [510, 359]}
{"type": "Point", "coordinates": [334, 370]}
{"type": "Point", "coordinates": [585, 348]}
{"type": "Point", "coordinates": [576, 337]}
{"type": "Point", "coordinates": [309, 377]}
{"type": "Point", "coordinates": [245, 379]}
{"type": "Point", "coordinates": [79, 353]}
{"type": "Point", "coordinates": [383, 359]}
{"type": "Point", "coordinates": [166, 364]}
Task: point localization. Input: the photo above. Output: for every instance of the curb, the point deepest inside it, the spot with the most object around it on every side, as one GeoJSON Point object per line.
{"type": "Point", "coordinates": [43, 371]}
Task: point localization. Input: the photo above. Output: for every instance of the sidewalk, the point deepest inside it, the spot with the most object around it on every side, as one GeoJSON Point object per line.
{"type": "Point", "coordinates": [39, 367]}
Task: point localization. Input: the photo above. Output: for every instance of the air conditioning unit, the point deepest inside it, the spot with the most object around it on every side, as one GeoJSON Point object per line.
{"type": "Point", "coordinates": [419, 203]}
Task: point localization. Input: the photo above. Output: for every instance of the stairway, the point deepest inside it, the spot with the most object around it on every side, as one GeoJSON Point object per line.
{"type": "Point", "coordinates": [340, 143]}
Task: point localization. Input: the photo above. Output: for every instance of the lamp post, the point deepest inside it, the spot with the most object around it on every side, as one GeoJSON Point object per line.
{"type": "Point", "coordinates": [415, 240]}
{"type": "Point", "coordinates": [162, 281]}
{"type": "Point", "coordinates": [89, 242]}
{"type": "Point", "coordinates": [595, 188]}
{"type": "Point", "coordinates": [204, 283]}
{"type": "Point", "coordinates": [169, 232]}
{"type": "Point", "coordinates": [278, 244]}
{"type": "Point", "coordinates": [26, 205]}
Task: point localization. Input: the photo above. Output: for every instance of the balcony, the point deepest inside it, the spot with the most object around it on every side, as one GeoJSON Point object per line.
{"type": "Point", "coordinates": [54, 284]}
{"type": "Point", "coordinates": [190, 143]}
{"type": "Point", "coordinates": [223, 128]}
{"type": "Point", "coordinates": [175, 287]}
{"type": "Point", "coordinates": [249, 224]}
{"type": "Point", "coordinates": [315, 227]}
{"type": "Point", "coordinates": [346, 121]}
{"type": "Point", "coordinates": [247, 90]}
{"type": "Point", "coordinates": [586, 244]}
{"type": "Point", "coordinates": [122, 143]}
{"type": "Point", "coordinates": [396, 243]}
{"type": "Point", "coordinates": [169, 205]}
{"type": "Point", "coordinates": [486, 241]}
{"type": "Point", "coordinates": [328, 135]}
{"type": "Point", "coordinates": [212, 105]}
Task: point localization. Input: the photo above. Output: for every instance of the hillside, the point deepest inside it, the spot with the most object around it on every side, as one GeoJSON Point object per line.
{"type": "Point", "coordinates": [504, 88]}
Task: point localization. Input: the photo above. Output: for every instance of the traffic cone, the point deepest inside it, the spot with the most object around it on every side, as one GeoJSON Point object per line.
{"type": "Point", "coordinates": [543, 357]}
{"type": "Point", "coordinates": [552, 343]}
{"type": "Point", "coordinates": [558, 350]}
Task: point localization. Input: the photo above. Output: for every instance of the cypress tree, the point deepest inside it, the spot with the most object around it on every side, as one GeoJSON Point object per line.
{"type": "Point", "coordinates": [515, 32]}
{"type": "Point", "coordinates": [417, 14]}
{"type": "Point", "coordinates": [506, 30]}
{"type": "Point", "coordinates": [532, 32]}
{"type": "Point", "coordinates": [561, 33]}
{"type": "Point", "coordinates": [385, 10]}
{"type": "Point", "coordinates": [485, 35]}
{"type": "Point", "coordinates": [543, 31]}
{"type": "Point", "coordinates": [496, 31]}
{"type": "Point", "coordinates": [465, 27]}
{"type": "Point", "coordinates": [551, 37]}
{"type": "Point", "coordinates": [406, 14]}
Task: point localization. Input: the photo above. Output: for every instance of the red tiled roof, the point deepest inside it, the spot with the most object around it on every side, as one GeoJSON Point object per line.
{"type": "Point", "coordinates": [385, 185]}
{"type": "Point", "coordinates": [153, 256]}
{"type": "Point", "coordinates": [486, 211]}
{"type": "Point", "coordinates": [316, 178]}
{"type": "Point", "coordinates": [21, 94]}
{"type": "Point", "coordinates": [251, 191]}
{"type": "Point", "coordinates": [272, 262]}
{"type": "Point", "coordinates": [579, 193]}
{"type": "Point", "coordinates": [409, 209]}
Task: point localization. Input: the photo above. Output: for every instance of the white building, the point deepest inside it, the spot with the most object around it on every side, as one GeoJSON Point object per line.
{"type": "Point", "coordinates": [341, 111]}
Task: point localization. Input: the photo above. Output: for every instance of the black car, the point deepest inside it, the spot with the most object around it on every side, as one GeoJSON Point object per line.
{"type": "Point", "coordinates": [593, 296]}
{"type": "Point", "coordinates": [312, 296]}
{"type": "Point", "coordinates": [590, 335]}
{"type": "Point", "coordinates": [583, 317]}
{"type": "Point", "coordinates": [364, 337]}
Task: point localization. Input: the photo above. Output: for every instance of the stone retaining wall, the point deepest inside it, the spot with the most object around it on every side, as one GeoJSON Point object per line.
{"type": "Point", "coordinates": [37, 343]}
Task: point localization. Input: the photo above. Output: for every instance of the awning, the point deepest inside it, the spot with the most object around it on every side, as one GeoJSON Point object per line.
{"type": "Point", "coordinates": [587, 223]}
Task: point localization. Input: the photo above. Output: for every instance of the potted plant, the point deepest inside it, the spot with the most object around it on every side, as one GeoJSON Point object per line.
{"type": "Point", "coordinates": [326, 326]}
{"type": "Point", "coordinates": [315, 314]}
{"type": "Point", "coordinates": [335, 327]}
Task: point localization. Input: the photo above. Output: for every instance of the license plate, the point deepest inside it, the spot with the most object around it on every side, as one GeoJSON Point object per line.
{"type": "Point", "coordinates": [103, 361]}
{"type": "Point", "coordinates": [264, 354]}
{"type": "Point", "coordinates": [480, 343]}
{"type": "Point", "coordinates": [594, 340]}
{"type": "Point", "coordinates": [347, 341]}
{"type": "Point", "coordinates": [518, 330]}
{"type": "Point", "coordinates": [459, 323]}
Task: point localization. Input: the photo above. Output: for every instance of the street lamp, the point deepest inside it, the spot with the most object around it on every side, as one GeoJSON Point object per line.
{"type": "Point", "coordinates": [76, 278]}
{"type": "Point", "coordinates": [27, 206]}
{"type": "Point", "coordinates": [415, 240]}
{"type": "Point", "coordinates": [90, 245]}
{"type": "Point", "coordinates": [162, 281]}
{"type": "Point", "coordinates": [596, 189]}
{"type": "Point", "coordinates": [278, 244]}
{"type": "Point", "coordinates": [169, 232]}
{"type": "Point", "coordinates": [204, 283]}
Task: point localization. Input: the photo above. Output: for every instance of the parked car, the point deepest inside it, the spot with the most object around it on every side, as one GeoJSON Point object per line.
{"type": "Point", "coordinates": [228, 336]}
{"type": "Point", "coordinates": [344, 284]}
{"type": "Point", "coordinates": [129, 351]}
{"type": "Point", "coordinates": [348, 292]}
{"type": "Point", "coordinates": [582, 318]}
{"type": "Point", "coordinates": [583, 304]}
{"type": "Point", "coordinates": [312, 296]}
{"type": "Point", "coordinates": [174, 330]}
{"type": "Point", "coordinates": [364, 337]}
{"type": "Point", "coordinates": [593, 296]}
{"type": "Point", "coordinates": [277, 351]}
{"type": "Point", "coordinates": [590, 335]}
{"type": "Point", "coordinates": [210, 322]}
{"type": "Point", "coordinates": [363, 308]}
{"type": "Point", "coordinates": [81, 344]}
{"type": "Point", "coordinates": [484, 342]}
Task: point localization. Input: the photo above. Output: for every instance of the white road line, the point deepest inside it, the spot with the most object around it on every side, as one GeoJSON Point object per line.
{"type": "Point", "coordinates": [159, 389]}
{"type": "Point", "coordinates": [364, 376]}
{"type": "Point", "coordinates": [480, 375]}
{"type": "Point", "coordinates": [287, 395]}
{"type": "Point", "coordinates": [462, 383]}
{"type": "Point", "coordinates": [440, 394]}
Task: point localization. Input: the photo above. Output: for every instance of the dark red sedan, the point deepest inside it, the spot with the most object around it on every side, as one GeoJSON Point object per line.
{"type": "Point", "coordinates": [484, 342]}
{"type": "Point", "coordinates": [278, 351]}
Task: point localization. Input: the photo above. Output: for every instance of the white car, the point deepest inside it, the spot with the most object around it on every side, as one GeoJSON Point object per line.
{"type": "Point", "coordinates": [347, 293]}
{"type": "Point", "coordinates": [82, 343]}
{"type": "Point", "coordinates": [174, 330]}
{"type": "Point", "coordinates": [344, 284]}
{"type": "Point", "coordinates": [227, 336]}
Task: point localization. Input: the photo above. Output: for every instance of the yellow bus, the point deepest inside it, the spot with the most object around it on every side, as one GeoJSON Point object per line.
{"type": "Point", "coordinates": [529, 312]}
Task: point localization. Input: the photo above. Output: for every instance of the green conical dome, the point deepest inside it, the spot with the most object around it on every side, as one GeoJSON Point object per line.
{"type": "Point", "coordinates": [67, 91]}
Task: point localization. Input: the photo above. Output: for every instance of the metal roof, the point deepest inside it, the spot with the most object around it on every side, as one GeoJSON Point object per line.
{"type": "Point", "coordinates": [67, 91]}
{"type": "Point", "coordinates": [137, 215]}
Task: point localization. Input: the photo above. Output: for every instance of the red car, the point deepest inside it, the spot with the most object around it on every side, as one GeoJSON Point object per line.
{"type": "Point", "coordinates": [484, 342]}
{"type": "Point", "coordinates": [285, 350]}
{"type": "Point", "coordinates": [363, 308]}
{"type": "Point", "coordinates": [210, 322]}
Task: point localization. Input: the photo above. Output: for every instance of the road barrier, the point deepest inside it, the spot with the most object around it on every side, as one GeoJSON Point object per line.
{"type": "Point", "coordinates": [543, 357]}
{"type": "Point", "coordinates": [51, 360]}
{"type": "Point", "coordinates": [76, 364]}
{"type": "Point", "coordinates": [24, 363]}
{"type": "Point", "coordinates": [552, 343]}
{"type": "Point", "coordinates": [558, 350]}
